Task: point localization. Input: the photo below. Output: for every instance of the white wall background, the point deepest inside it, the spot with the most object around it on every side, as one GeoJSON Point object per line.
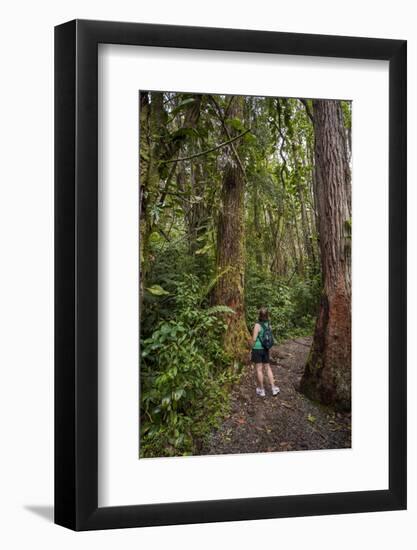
{"type": "Point", "coordinates": [26, 285]}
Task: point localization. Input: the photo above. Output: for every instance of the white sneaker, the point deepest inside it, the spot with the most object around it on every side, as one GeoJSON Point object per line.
{"type": "Point", "coordinates": [275, 390]}
{"type": "Point", "coordinates": [260, 392]}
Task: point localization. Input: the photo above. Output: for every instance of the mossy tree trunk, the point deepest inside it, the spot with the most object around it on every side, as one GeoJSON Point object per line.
{"type": "Point", "coordinates": [230, 258]}
{"type": "Point", "coordinates": [327, 376]}
{"type": "Point", "coordinates": [152, 120]}
{"type": "Point", "coordinates": [196, 214]}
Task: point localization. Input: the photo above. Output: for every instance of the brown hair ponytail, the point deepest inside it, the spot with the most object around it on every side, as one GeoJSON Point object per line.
{"type": "Point", "coordinates": [263, 314]}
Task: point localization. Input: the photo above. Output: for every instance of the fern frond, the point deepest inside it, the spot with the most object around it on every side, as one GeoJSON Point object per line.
{"type": "Point", "coordinates": [219, 309]}
{"type": "Point", "coordinates": [211, 284]}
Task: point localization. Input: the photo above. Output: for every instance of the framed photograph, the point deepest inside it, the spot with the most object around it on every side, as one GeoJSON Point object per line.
{"type": "Point", "coordinates": [230, 284]}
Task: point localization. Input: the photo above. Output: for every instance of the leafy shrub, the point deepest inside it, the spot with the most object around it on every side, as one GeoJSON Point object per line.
{"type": "Point", "coordinates": [184, 375]}
{"type": "Point", "coordinates": [168, 265]}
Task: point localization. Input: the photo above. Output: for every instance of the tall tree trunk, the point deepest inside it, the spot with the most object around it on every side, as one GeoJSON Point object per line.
{"type": "Point", "coordinates": [298, 248]}
{"type": "Point", "coordinates": [144, 149]}
{"type": "Point", "coordinates": [308, 245]}
{"type": "Point", "coordinates": [230, 260]}
{"type": "Point", "coordinates": [257, 229]}
{"type": "Point", "coordinates": [314, 222]}
{"type": "Point", "coordinates": [151, 129]}
{"type": "Point", "coordinates": [327, 375]}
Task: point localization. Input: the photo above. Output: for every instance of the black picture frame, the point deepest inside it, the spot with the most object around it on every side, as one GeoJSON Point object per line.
{"type": "Point", "coordinates": [76, 272]}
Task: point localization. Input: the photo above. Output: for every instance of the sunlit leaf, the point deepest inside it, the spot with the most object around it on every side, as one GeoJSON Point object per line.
{"type": "Point", "coordinates": [157, 290]}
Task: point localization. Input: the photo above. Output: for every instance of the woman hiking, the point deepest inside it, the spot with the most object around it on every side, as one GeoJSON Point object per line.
{"type": "Point", "coordinates": [261, 342]}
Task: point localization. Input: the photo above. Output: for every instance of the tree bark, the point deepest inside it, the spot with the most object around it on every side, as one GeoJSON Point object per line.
{"type": "Point", "coordinates": [327, 376]}
{"type": "Point", "coordinates": [307, 236]}
{"type": "Point", "coordinates": [144, 150]}
{"type": "Point", "coordinates": [230, 261]}
{"type": "Point", "coordinates": [152, 124]}
{"type": "Point", "coordinates": [257, 229]}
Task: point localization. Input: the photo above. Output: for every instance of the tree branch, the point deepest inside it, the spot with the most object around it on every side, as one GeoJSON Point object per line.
{"type": "Point", "coordinates": [284, 168]}
{"type": "Point", "coordinates": [219, 115]}
{"type": "Point", "coordinates": [308, 110]}
{"type": "Point", "coordinates": [207, 151]}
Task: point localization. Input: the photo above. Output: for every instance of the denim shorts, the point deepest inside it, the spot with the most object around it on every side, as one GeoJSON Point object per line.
{"type": "Point", "coordinates": [260, 356]}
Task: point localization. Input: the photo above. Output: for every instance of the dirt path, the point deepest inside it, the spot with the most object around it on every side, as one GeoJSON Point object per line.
{"type": "Point", "coordinates": [287, 422]}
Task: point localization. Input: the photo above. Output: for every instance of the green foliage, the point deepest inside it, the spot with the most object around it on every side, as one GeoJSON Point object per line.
{"type": "Point", "coordinates": [347, 113]}
{"type": "Point", "coordinates": [182, 104]}
{"type": "Point", "coordinates": [236, 124]}
{"type": "Point", "coordinates": [292, 305]}
{"type": "Point", "coordinates": [184, 375]}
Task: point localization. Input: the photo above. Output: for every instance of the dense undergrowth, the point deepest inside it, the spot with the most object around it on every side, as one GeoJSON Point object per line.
{"type": "Point", "coordinates": [185, 374]}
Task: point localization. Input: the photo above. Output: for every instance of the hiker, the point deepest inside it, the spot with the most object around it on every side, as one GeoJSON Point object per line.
{"type": "Point", "coordinates": [262, 341]}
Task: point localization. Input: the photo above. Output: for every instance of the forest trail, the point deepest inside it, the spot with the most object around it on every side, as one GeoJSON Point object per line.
{"type": "Point", "coordinates": [286, 422]}
{"type": "Point", "coordinates": [237, 194]}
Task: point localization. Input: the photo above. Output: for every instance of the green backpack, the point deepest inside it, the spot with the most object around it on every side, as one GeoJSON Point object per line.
{"type": "Point", "coordinates": [267, 339]}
